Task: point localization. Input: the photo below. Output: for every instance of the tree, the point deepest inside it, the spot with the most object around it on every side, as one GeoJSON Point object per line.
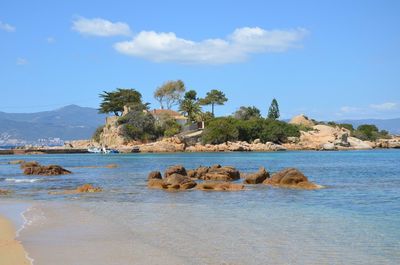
{"type": "Point", "coordinates": [170, 93]}
{"type": "Point", "coordinates": [247, 113]}
{"type": "Point", "coordinates": [138, 125]}
{"type": "Point", "coordinates": [116, 100]}
{"type": "Point", "coordinates": [190, 105]}
{"type": "Point", "coordinates": [273, 112]}
{"type": "Point", "coordinates": [214, 97]}
{"type": "Point", "coordinates": [220, 130]}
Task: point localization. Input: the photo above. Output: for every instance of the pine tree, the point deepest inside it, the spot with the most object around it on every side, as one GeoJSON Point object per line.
{"type": "Point", "coordinates": [273, 112]}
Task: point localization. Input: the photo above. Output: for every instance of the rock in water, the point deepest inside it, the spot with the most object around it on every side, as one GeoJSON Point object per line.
{"type": "Point", "coordinates": [291, 178]}
{"type": "Point", "coordinates": [225, 173]}
{"type": "Point", "coordinates": [219, 186]}
{"type": "Point", "coordinates": [154, 175]}
{"type": "Point", "coordinates": [178, 169]}
{"type": "Point", "coordinates": [173, 182]}
{"type": "Point", "coordinates": [257, 177]}
{"type": "Point", "coordinates": [34, 168]}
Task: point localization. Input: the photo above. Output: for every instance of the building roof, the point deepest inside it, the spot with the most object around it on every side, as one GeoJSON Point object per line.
{"type": "Point", "coordinates": [167, 112]}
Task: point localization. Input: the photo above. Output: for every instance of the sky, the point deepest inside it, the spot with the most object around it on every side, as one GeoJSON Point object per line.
{"type": "Point", "coordinates": [330, 60]}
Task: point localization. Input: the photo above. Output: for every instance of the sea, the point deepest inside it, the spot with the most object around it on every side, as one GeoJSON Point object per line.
{"type": "Point", "coordinates": [354, 219]}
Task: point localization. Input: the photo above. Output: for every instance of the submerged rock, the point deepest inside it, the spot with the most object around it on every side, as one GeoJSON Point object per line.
{"type": "Point", "coordinates": [34, 168]}
{"type": "Point", "coordinates": [256, 178]}
{"type": "Point", "coordinates": [5, 192]}
{"type": "Point", "coordinates": [219, 186]}
{"type": "Point", "coordinates": [291, 178]}
{"type": "Point", "coordinates": [16, 162]}
{"type": "Point", "coordinates": [88, 188]}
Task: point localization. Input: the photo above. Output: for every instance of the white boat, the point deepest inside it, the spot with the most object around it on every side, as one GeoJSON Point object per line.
{"type": "Point", "coordinates": [95, 150]}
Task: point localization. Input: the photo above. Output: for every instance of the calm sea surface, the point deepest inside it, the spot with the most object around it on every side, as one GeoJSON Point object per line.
{"type": "Point", "coordinates": [354, 220]}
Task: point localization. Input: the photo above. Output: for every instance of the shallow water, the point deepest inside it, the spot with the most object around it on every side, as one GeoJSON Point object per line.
{"type": "Point", "coordinates": [354, 220]}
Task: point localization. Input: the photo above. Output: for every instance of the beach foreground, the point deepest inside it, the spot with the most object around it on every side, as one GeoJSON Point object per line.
{"type": "Point", "coordinates": [11, 250]}
{"type": "Point", "coordinates": [354, 220]}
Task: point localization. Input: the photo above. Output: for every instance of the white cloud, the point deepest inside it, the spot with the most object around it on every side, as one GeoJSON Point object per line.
{"type": "Point", "coordinates": [50, 40]}
{"type": "Point", "coordinates": [167, 47]}
{"type": "Point", "coordinates": [348, 109]}
{"type": "Point", "coordinates": [384, 106]}
{"type": "Point", "coordinates": [21, 61]}
{"type": "Point", "coordinates": [100, 27]}
{"type": "Point", "coordinates": [6, 27]}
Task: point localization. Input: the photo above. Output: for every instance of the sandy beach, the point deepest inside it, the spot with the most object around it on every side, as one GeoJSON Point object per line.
{"type": "Point", "coordinates": [11, 250]}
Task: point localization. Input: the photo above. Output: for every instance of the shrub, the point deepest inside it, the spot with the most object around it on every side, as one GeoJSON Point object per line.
{"type": "Point", "coordinates": [171, 128]}
{"type": "Point", "coordinates": [220, 130]}
{"type": "Point", "coordinates": [369, 132]}
{"type": "Point", "coordinates": [138, 125]}
{"type": "Point", "coordinates": [97, 133]}
{"type": "Point", "coordinates": [278, 131]}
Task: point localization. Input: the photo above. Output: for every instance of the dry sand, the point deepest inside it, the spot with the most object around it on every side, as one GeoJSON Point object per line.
{"type": "Point", "coordinates": [11, 250]}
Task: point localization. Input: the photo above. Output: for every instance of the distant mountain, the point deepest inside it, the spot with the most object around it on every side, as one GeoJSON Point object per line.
{"type": "Point", "coordinates": [71, 122]}
{"type": "Point", "coordinates": [390, 125]}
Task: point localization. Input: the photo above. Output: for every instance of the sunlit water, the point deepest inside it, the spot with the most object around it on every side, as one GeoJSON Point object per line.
{"type": "Point", "coordinates": [354, 220]}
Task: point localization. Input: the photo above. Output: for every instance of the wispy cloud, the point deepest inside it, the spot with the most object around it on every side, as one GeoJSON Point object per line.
{"type": "Point", "coordinates": [385, 106]}
{"type": "Point", "coordinates": [6, 27]}
{"type": "Point", "coordinates": [21, 61]}
{"type": "Point", "coordinates": [50, 40]}
{"type": "Point", "coordinates": [238, 46]}
{"type": "Point", "coordinates": [100, 27]}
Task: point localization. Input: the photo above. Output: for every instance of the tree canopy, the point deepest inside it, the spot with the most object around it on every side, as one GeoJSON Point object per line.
{"type": "Point", "coordinates": [115, 101]}
{"type": "Point", "coordinates": [247, 113]}
{"type": "Point", "coordinates": [170, 93]}
{"type": "Point", "coordinates": [214, 97]}
{"type": "Point", "coordinates": [273, 112]}
{"type": "Point", "coordinates": [190, 105]}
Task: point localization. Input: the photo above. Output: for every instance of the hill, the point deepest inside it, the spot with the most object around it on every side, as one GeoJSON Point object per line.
{"type": "Point", "coordinates": [71, 122]}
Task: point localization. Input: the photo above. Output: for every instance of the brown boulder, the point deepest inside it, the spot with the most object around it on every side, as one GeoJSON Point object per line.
{"type": "Point", "coordinates": [219, 186]}
{"type": "Point", "coordinates": [257, 177]}
{"type": "Point", "coordinates": [154, 175]}
{"type": "Point", "coordinates": [225, 173]}
{"type": "Point", "coordinates": [34, 168]}
{"type": "Point", "coordinates": [290, 178]}
{"type": "Point", "coordinates": [173, 182]}
{"type": "Point", "coordinates": [178, 169]}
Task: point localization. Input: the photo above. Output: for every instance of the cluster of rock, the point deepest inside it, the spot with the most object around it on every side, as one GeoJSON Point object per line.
{"type": "Point", "coordinates": [177, 178]}
{"type": "Point", "coordinates": [256, 145]}
{"type": "Point", "coordinates": [4, 192]}
{"type": "Point", "coordinates": [34, 168]}
{"type": "Point", "coordinates": [219, 178]}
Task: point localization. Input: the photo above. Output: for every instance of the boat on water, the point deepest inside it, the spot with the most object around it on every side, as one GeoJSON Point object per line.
{"type": "Point", "coordinates": [103, 150]}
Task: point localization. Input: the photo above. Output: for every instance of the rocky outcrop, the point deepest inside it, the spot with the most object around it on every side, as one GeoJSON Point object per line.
{"type": "Point", "coordinates": [112, 133]}
{"type": "Point", "coordinates": [302, 120]}
{"type": "Point", "coordinates": [291, 178]}
{"type": "Point", "coordinates": [324, 137]}
{"type": "Point", "coordinates": [220, 173]}
{"type": "Point", "coordinates": [257, 177]}
{"type": "Point", "coordinates": [34, 168]}
{"type": "Point", "coordinates": [167, 145]}
{"type": "Point", "coordinates": [219, 186]}
{"type": "Point", "coordinates": [236, 146]}
{"type": "Point", "coordinates": [388, 143]}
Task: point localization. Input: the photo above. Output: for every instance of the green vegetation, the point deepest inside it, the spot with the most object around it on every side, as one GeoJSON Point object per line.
{"type": "Point", "coordinates": [220, 130]}
{"type": "Point", "coordinates": [170, 93]}
{"type": "Point", "coordinates": [138, 124]}
{"type": "Point", "coordinates": [273, 111]}
{"type": "Point", "coordinates": [369, 132]}
{"type": "Point", "coordinates": [97, 133]}
{"type": "Point", "coordinates": [190, 105]}
{"type": "Point", "coordinates": [247, 113]}
{"type": "Point", "coordinates": [214, 97]}
{"type": "Point", "coordinates": [116, 100]}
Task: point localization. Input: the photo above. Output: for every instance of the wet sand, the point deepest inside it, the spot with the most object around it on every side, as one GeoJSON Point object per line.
{"type": "Point", "coordinates": [11, 250]}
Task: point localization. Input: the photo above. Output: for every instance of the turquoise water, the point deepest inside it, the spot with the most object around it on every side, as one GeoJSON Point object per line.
{"type": "Point", "coordinates": [354, 220]}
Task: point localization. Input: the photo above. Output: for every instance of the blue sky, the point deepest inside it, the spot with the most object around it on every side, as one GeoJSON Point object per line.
{"type": "Point", "coordinates": [328, 59]}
